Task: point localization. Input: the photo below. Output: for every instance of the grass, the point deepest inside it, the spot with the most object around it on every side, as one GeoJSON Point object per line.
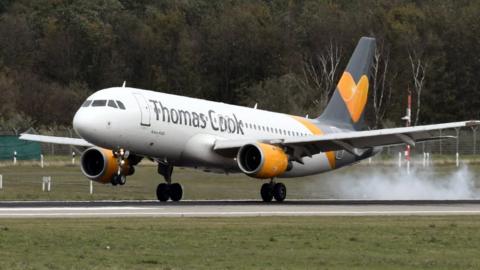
{"type": "Point", "coordinates": [68, 183]}
{"type": "Point", "coordinates": [242, 243]}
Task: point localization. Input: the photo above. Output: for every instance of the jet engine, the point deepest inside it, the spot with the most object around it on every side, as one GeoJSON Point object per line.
{"type": "Point", "coordinates": [262, 160]}
{"type": "Point", "coordinates": [101, 165]}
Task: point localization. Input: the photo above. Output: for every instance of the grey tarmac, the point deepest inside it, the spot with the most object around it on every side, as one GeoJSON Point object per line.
{"type": "Point", "coordinates": [234, 208]}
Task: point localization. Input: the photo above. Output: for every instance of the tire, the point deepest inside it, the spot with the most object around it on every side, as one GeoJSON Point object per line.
{"type": "Point", "coordinates": [176, 192]}
{"type": "Point", "coordinates": [121, 179]}
{"type": "Point", "coordinates": [131, 170]}
{"type": "Point", "coordinates": [114, 181]}
{"type": "Point", "coordinates": [266, 192]}
{"type": "Point", "coordinates": [279, 192]}
{"type": "Point", "coordinates": [163, 192]}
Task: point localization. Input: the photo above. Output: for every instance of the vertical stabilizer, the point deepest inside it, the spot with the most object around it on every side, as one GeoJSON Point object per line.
{"type": "Point", "coordinates": [347, 105]}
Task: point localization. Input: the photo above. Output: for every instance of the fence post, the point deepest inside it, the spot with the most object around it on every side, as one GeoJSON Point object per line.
{"type": "Point", "coordinates": [399, 159]}
{"type": "Point", "coordinates": [457, 157]}
{"type": "Point", "coordinates": [1, 181]}
{"type": "Point", "coordinates": [41, 161]}
{"type": "Point", "coordinates": [440, 142]}
{"type": "Point", "coordinates": [46, 183]}
{"type": "Point", "coordinates": [474, 129]}
{"type": "Point", "coordinates": [73, 158]}
{"type": "Point", "coordinates": [91, 187]}
{"type": "Point", "coordinates": [14, 157]}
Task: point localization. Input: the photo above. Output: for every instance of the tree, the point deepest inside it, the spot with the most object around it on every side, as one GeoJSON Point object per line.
{"type": "Point", "coordinates": [320, 73]}
{"type": "Point", "coordinates": [419, 70]}
{"type": "Point", "coordinates": [381, 82]}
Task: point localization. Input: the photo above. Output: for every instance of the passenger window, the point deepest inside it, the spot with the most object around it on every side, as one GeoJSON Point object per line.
{"type": "Point", "coordinates": [99, 103]}
{"type": "Point", "coordinates": [87, 103]}
{"type": "Point", "coordinates": [112, 104]}
{"type": "Point", "coordinates": [120, 105]}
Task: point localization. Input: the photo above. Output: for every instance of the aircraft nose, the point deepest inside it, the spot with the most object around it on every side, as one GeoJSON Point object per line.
{"type": "Point", "coordinates": [82, 124]}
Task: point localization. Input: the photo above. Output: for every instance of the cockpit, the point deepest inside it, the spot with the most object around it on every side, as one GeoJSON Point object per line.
{"type": "Point", "coordinates": [103, 103]}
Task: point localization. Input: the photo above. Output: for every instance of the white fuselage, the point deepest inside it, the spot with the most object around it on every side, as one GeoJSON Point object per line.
{"type": "Point", "coordinates": [182, 130]}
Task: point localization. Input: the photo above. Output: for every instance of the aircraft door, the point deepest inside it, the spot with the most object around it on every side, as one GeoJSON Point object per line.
{"type": "Point", "coordinates": [144, 109]}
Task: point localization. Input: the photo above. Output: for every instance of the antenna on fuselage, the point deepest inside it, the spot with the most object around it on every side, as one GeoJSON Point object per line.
{"type": "Point", "coordinates": [124, 83]}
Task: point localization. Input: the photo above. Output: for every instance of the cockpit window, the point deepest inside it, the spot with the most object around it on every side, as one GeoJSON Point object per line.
{"type": "Point", "coordinates": [120, 105]}
{"type": "Point", "coordinates": [99, 103]}
{"type": "Point", "coordinates": [86, 103]}
{"type": "Point", "coordinates": [111, 103]}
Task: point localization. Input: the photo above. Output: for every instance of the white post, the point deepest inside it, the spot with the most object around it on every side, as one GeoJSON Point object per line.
{"type": "Point", "coordinates": [424, 161]}
{"type": "Point", "coordinates": [370, 160]}
{"type": "Point", "coordinates": [14, 157]}
{"type": "Point", "coordinates": [46, 183]}
{"type": "Point", "coordinates": [408, 166]}
{"type": "Point", "coordinates": [429, 161]}
{"type": "Point", "coordinates": [41, 161]}
{"type": "Point", "coordinates": [73, 158]}
{"type": "Point", "coordinates": [399, 159]}
{"type": "Point", "coordinates": [91, 187]}
{"type": "Point", "coordinates": [457, 159]}
{"type": "Point", "coordinates": [1, 181]}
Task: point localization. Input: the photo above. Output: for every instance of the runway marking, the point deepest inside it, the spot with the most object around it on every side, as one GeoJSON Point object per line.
{"type": "Point", "coordinates": [243, 213]}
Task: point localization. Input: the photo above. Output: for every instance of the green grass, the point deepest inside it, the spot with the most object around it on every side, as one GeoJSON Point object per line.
{"type": "Point", "coordinates": [242, 243]}
{"type": "Point", "coordinates": [24, 183]}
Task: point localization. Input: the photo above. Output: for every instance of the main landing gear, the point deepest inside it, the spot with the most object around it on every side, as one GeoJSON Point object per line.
{"type": "Point", "coordinates": [273, 190]}
{"type": "Point", "coordinates": [168, 190]}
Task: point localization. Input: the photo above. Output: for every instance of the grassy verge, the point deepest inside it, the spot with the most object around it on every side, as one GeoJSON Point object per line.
{"type": "Point", "coordinates": [242, 243]}
{"type": "Point", "coordinates": [24, 183]}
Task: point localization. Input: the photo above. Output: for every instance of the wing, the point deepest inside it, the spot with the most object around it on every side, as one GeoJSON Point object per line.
{"type": "Point", "coordinates": [55, 140]}
{"type": "Point", "coordinates": [355, 142]}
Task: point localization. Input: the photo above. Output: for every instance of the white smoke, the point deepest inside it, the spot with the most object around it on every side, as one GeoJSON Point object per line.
{"type": "Point", "coordinates": [397, 184]}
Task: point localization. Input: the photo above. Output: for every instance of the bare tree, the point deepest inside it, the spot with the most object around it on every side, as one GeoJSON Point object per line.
{"type": "Point", "coordinates": [419, 68]}
{"type": "Point", "coordinates": [381, 83]}
{"type": "Point", "coordinates": [319, 73]}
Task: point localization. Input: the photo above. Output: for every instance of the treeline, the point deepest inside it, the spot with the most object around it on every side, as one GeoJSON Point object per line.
{"type": "Point", "coordinates": [283, 55]}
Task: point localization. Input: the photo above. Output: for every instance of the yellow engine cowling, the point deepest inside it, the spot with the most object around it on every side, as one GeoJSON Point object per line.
{"type": "Point", "coordinates": [262, 160]}
{"type": "Point", "coordinates": [101, 165]}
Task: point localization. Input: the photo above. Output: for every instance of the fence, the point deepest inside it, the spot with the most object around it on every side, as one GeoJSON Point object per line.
{"type": "Point", "coordinates": [466, 143]}
{"type": "Point", "coordinates": [49, 149]}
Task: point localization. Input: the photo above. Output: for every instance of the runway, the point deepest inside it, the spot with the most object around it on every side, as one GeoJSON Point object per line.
{"type": "Point", "coordinates": [240, 208]}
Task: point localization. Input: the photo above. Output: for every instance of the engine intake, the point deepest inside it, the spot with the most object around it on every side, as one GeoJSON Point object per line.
{"type": "Point", "coordinates": [262, 160]}
{"type": "Point", "coordinates": [100, 165]}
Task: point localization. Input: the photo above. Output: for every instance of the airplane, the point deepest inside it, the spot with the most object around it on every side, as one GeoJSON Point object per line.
{"type": "Point", "coordinates": [122, 125]}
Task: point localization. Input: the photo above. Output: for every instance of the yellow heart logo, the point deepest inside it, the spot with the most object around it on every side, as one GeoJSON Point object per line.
{"type": "Point", "coordinates": [354, 94]}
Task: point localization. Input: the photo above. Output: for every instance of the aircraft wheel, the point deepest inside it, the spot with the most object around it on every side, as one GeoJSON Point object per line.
{"type": "Point", "coordinates": [163, 192]}
{"type": "Point", "coordinates": [121, 179]}
{"type": "Point", "coordinates": [266, 192]}
{"type": "Point", "coordinates": [279, 192]}
{"type": "Point", "coordinates": [176, 192]}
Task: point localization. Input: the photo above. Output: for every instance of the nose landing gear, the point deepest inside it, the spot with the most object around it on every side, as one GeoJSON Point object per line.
{"type": "Point", "coordinates": [168, 190]}
{"type": "Point", "coordinates": [120, 178]}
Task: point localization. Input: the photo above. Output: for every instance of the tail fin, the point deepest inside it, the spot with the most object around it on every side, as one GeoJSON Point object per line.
{"type": "Point", "coordinates": [347, 105]}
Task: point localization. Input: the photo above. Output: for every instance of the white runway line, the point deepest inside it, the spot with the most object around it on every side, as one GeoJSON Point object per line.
{"type": "Point", "coordinates": [237, 211]}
